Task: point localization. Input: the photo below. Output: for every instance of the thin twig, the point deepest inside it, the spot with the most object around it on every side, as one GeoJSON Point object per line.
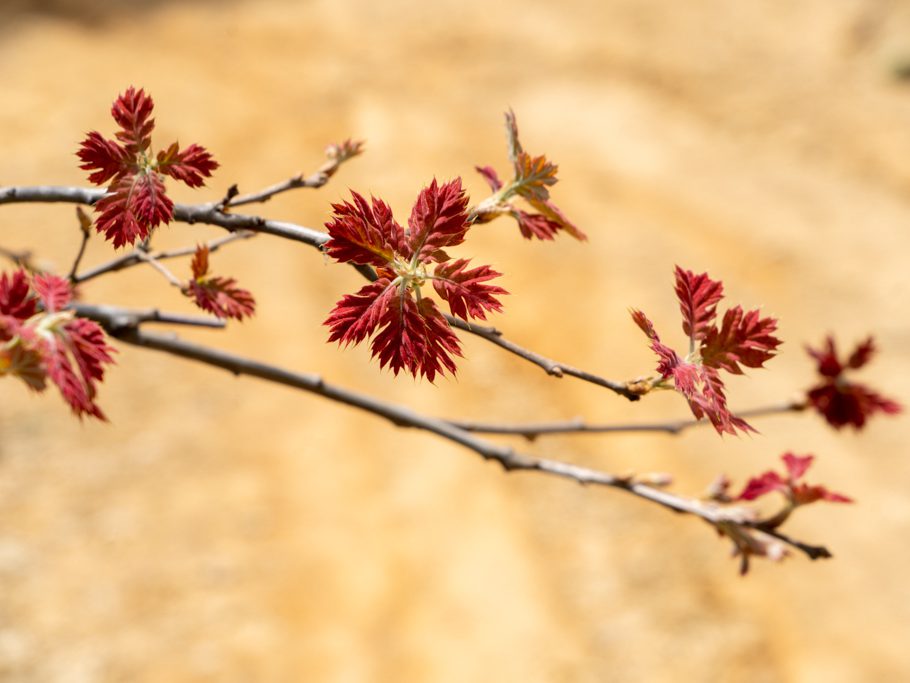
{"type": "Point", "coordinates": [315, 180]}
{"type": "Point", "coordinates": [210, 214]}
{"type": "Point", "coordinates": [115, 318]}
{"type": "Point", "coordinates": [153, 262]}
{"type": "Point", "coordinates": [85, 225]}
{"type": "Point", "coordinates": [550, 366]}
{"type": "Point", "coordinates": [133, 258]}
{"type": "Point", "coordinates": [531, 431]}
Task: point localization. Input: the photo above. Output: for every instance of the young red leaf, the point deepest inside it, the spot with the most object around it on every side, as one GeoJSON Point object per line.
{"type": "Point", "coordinates": [191, 165]}
{"type": "Point", "coordinates": [797, 493]}
{"type": "Point", "coordinates": [840, 401]}
{"type": "Point", "coordinates": [136, 201]}
{"type": "Point", "coordinates": [22, 354]}
{"type": "Point", "coordinates": [535, 225]}
{"type": "Point", "coordinates": [669, 360]}
{"type": "Point", "coordinates": [796, 466]}
{"type": "Point", "coordinates": [105, 157]}
{"type": "Point", "coordinates": [861, 355]}
{"type": "Point", "coordinates": [356, 316]}
{"type": "Point", "coordinates": [465, 290]}
{"type": "Point", "coordinates": [438, 220]}
{"type": "Point", "coordinates": [218, 295]}
{"type": "Point", "coordinates": [222, 297]}
{"type": "Point", "coordinates": [135, 205]}
{"type": "Point", "coordinates": [363, 234]}
{"type": "Point", "coordinates": [16, 299]}
{"type": "Point", "coordinates": [698, 297]}
{"type": "Point", "coordinates": [408, 330]}
{"type": "Point", "coordinates": [532, 178]}
{"type": "Point", "coordinates": [556, 218]}
{"type": "Point", "coordinates": [745, 338]}
{"type": "Point", "coordinates": [762, 485]}
{"type": "Point", "coordinates": [200, 263]}
{"type": "Point", "coordinates": [54, 292]}
{"type": "Point", "coordinates": [51, 344]}
{"type": "Point", "coordinates": [132, 111]}
{"type": "Point", "coordinates": [489, 174]}
{"type": "Point", "coordinates": [415, 337]}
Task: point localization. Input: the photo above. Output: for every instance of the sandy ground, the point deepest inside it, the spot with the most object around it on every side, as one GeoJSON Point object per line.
{"type": "Point", "coordinates": [223, 529]}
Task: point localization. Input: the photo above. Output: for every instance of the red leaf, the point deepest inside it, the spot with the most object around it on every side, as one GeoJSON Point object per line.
{"type": "Point", "coordinates": [356, 316]}
{"type": "Point", "coordinates": [191, 165]}
{"type": "Point", "coordinates": [465, 290]}
{"type": "Point", "coordinates": [861, 354]}
{"type": "Point", "coordinates": [669, 360]}
{"type": "Point", "coordinates": [222, 297]}
{"type": "Point", "coordinates": [533, 225]}
{"type": "Point", "coordinates": [22, 354]}
{"type": "Point", "coordinates": [849, 403]}
{"type": "Point", "coordinates": [556, 217]}
{"type": "Point", "coordinates": [136, 202]}
{"type": "Point", "coordinates": [712, 401]}
{"type": "Point", "coordinates": [438, 220]}
{"type": "Point", "coordinates": [200, 264]}
{"type": "Point", "coordinates": [743, 338]}
{"type": "Point", "coordinates": [16, 299]}
{"type": "Point", "coordinates": [698, 297]}
{"type": "Point", "coordinates": [132, 111]}
{"type": "Point", "coordinates": [489, 174]}
{"type": "Point", "coordinates": [53, 291]}
{"type": "Point", "coordinates": [840, 401]}
{"type": "Point", "coordinates": [761, 485]}
{"type": "Point", "coordinates": [826, 357]}
{"type": "Point", "coordinates": [415, 337]}
{"type": "Point", "coordinates": [133, 207]}
{"type": "Point", "coordinates": [105, 157]}
{"type": "Point", "coordinates": [81, 342]}
{"type": "Point", "coordinates": [363, 234]}
{"type": "Point", "coordinates": [798, 494]}
{"type": "Point", "coordinates": [408, 330]}
{"type": "Point", "coordinates": [796, 466]}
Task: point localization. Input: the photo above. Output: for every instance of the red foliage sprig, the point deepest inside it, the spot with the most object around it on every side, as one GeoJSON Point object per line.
{"type": "Point", "coordinates": [742, 339]}
{"type": "Point", "coordinates": [840, 401]}
{"type": "Point", "coordinates": [531, 180]}
{"type": "Point", "coordinates": [216, 294]}
{"type": "Point", "coordinates": [136, 201]}
{"type": "Point", "coordinates": [409, 331]}
{"type": "Point", "coordinates": [40, 339]}
{"type": "Point", "coordinates": [795, 492]}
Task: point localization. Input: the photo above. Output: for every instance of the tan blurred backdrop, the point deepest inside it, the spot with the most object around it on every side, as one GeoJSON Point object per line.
{"type": "Point", "coordinates": [223, 529]}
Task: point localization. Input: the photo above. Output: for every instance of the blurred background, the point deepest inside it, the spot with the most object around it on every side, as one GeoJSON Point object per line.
{"type": "Point", "coordinates": [224, 529]}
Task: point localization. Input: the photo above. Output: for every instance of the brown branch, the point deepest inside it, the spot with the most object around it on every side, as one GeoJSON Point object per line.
{"type": "Point", "coordinates": [114, 318]}
{"type": "Point", "coordinates": [85, 225]}
{"type": "Point", "coordinates": [211, 215]}
{"type": "Point", "coordinates": [315, 180]}
{"type": "Point", "coordinates": [578, 426]}
{"type": "Point", "coordinates": [128, 330]}
{"type": "Point", "coordinates": [134, 257]}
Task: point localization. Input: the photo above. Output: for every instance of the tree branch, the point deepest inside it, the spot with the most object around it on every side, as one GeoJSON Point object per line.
{"type": "Point", "coordinates": [134, 257]}
{"type": "Point", "coordinates": [121, 326]}
{"type": "Point", "coordinates": [578, 426]}
{"type": "Point", "coordinates": [211, 215]}
{"type": "Point", "coordinates": [114, 318]}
